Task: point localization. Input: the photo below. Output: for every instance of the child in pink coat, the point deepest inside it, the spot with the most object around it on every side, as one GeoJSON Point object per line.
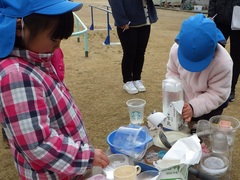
{"type": "Point", "coordinates": [203, 66]}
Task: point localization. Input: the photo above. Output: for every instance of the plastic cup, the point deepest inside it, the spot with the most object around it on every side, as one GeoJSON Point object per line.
{"type": "Point", "coordinates": [214, 164]}
{"type": "Point", "coordinates": [219, 142]}
{"type": "Point", "coordinates": [227, 125]}
{"type": "Point", "coordinates": [131, 141]}
{"type": "Point", "coordinates": [204, 126]}
{"type": "Point", "coordinates": [148, 175]}
{"type": "Point", "coordinates": [115, 161]}
{"type": "Point", "coordinates": [136, 110]}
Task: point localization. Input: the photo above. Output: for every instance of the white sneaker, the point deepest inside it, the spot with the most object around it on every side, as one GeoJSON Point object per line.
{"type": "Point", "coordinates": [130, 88]}
{"type": "Point", "coordinates": [139, 85]}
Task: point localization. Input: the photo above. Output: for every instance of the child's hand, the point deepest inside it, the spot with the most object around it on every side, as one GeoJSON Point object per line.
{"type": "Point", "coordinates": [100, 158]}
{"type": "Point", "coordinates": [187, 112]}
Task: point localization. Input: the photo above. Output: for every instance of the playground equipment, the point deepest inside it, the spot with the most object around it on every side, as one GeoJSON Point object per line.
{"type": "Point", "coordinates": [107, 40]}
{"type": "Point", "coordinates": [79, 32]}
{"type": "Point", "coordinates": [167, 3]}
{"type": "Point", "coordinates": [187, 5]}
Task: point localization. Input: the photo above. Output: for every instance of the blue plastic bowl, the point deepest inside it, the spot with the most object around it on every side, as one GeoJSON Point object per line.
{"type": "Point", "coordinates": [110, 139]}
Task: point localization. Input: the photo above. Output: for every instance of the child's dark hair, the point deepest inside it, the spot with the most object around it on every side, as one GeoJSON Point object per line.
{"type": "Point", "coordinates": [38, 22]}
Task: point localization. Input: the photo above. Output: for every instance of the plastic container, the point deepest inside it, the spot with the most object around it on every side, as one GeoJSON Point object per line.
{"type": "Point", "coordinates": [110, 139]}
{"type": "Point", "coordinates": [214, 164]}
{"type": "Point", "coordinates": [219, 143]}
{"type": "Point", "coordinates": [227, 125]}
{"type": "Point", "coordinates": [171, 91]}
{"type": "Point", "coordinates": [116, 160]}
{"type": "Point", "coordinates": [131, 141]}
{"type": "Point", "coordinates": [136, 110]}
{"type": "Point", "coordinates": [148, 175]}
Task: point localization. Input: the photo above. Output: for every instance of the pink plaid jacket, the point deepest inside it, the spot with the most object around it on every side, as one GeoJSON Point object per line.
{"type": "Point", "coordinates": [46, 134]}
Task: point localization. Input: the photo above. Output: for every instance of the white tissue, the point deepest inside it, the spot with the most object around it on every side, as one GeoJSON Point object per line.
{"type": "Point", "coordinates": [185, 151]}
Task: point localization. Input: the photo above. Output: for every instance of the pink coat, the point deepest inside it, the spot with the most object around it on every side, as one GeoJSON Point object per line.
{"type": "Point", "coordinates": [58, 63]}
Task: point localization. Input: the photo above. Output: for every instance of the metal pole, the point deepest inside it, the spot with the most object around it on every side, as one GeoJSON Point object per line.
{"type": "Point", "coordinates": [92, 26]}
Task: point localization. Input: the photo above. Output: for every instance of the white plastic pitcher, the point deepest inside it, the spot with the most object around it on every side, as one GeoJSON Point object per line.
{"type": "Point", "coordinates": [171, 91]}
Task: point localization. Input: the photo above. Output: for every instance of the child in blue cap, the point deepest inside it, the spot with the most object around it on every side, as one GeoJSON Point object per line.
{"type": "Point", "coordinates": [44, 127]}
{"type": "Point", "coordinates": [203, 66]}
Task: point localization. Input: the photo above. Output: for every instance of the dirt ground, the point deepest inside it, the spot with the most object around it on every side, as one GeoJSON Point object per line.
{"type": "Point", "coordinates": [96, 82]}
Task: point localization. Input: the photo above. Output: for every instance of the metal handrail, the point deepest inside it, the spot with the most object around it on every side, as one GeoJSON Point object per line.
{"type": "Point", "coordinates": [79, 32]}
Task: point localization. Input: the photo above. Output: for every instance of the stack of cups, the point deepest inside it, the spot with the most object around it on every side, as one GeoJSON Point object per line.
{"type": "Point", "coordinates": [218, 162]}
{"type": "Point", "coordinates": [225, 128]}
{"type": "Point", "coordinates": [215, 148]}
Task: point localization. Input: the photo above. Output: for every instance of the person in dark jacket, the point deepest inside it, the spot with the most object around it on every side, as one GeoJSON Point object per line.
{"type": "Point", "coordinates": [133, 19]}
{"type": "Point", "coordinates": [223, 10]}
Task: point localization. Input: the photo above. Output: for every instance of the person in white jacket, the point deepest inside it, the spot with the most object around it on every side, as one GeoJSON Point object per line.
{"type": "Point", "coordinates": [203, 66]}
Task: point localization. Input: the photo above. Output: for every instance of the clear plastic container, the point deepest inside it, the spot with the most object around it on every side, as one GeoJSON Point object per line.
{"type": "Point", "coordinates": [132, 141]}
{"type": "Point", "coordinates": [148, 175]}
{"type": "Point", "coordinates": [227, 125]}
{"type": "Point", "coordinates": [214, 164]}
{"type": "Point", "coordinates": [136, 110]}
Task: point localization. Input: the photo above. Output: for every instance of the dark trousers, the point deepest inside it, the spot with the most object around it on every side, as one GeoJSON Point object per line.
{"type": "Point", "coordinates": [134, 43]}
{"type": "Point", "coordinates": [234, 36]}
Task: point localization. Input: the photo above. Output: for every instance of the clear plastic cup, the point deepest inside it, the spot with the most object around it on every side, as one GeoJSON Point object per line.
{"type": "Point", "coordinates": [214, 164]}
{"type": "Point", "coordinates": [219, 143]}
{"type": "Point", "coordinates": [131, 141]}
{"type": "Point", "coordinates": [204, 127]}
{"type": "Point", "coordinates": [115, 160]}
{"type": "Point", "coordinates": [136, 110]}
{"type": "Point", "coordinates": [227, 125]}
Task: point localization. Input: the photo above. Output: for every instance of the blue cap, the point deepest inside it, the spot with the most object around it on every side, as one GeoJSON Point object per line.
{"type": "Point", "coordinates": [10, 10]}
{"type": "Point", "coordinates": [197, 40]}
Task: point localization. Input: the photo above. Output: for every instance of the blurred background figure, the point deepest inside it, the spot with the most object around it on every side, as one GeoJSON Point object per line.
{"type": "Point", "coordinates": [223, 10]}
{"type": "Point", "coordinates": [133, 19]}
